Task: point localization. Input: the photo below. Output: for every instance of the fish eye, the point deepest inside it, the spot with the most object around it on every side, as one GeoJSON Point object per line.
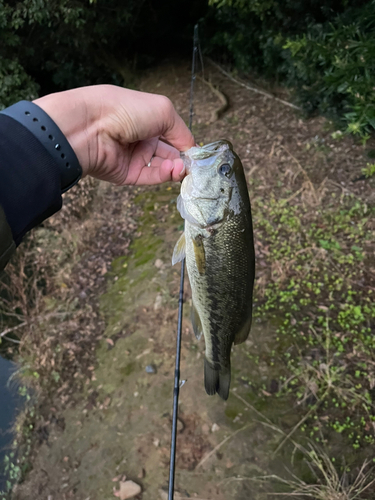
{"type": "Point", "coordinates": [224, 169]}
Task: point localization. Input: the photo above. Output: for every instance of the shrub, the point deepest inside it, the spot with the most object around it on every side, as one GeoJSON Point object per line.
{"type": "Point", "coordinates": [326, 53]}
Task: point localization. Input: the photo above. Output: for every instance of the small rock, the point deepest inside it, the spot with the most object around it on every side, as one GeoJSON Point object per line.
{"type": "Point", "coordinates": [205, 429]}
{"type": "Point", "coordinates": [128, 489]}
{"type": "Point", "coordinates": [136, 394]}
{"type": "Point", "coordinates": [156, 442]}
{"type": "Point", "coordinates": [180, 425]}
{"type": "Point", "coordinates": [83, 295]}
{"type": "Point", "coordinates": [215, 428]}
{"type": "Point", "coordinates": [151, 369]}
{"type": "Point", "coordinates": [158, 302]}
{"type": "Point", "coordinates": [159, 263]}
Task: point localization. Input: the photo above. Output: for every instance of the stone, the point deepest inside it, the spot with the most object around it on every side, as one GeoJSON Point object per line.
{"type": "Point", "coordinates": [158, 302]}
{"type": "Point", "coordinates": [128, 489]}
{"type": "Point", "coordinates": [151, 369]}
{"type": "Point", "coordinates": [180, 425]}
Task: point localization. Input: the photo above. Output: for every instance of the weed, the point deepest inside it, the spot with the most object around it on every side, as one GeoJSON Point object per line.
{"type": "Point", "coordinates": [317, 289]}
{"type": "Point", "coordinates": [369, 170]}
{"type": "Point", "coordinates": [329, 484]}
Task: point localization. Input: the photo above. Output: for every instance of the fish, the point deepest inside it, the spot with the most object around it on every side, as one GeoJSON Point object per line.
{"type": "Point", "coordinates": [218, 245]}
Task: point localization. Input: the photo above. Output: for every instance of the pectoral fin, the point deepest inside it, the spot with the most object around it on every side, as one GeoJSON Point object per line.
{"type": "Point", "coordinates": [200, 255]}
{"type": "Point", "coordinates": [196, 322]}
{"type": "Point", "coordinates": [179, 250]}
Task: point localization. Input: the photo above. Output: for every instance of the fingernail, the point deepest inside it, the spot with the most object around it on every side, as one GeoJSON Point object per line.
{"type": "Point", "coordinates": [177, 162]}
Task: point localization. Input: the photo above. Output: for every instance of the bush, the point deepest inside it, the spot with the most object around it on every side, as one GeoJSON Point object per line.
{"type": "Point", "coordinates": [47, 46]}
{"type": "Point", "coordinates": [324, 52]}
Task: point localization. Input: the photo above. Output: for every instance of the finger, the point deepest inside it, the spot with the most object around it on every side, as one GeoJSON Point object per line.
{"type": "Point", "coordinates": [177, 134]}
{"type": "Point", "coordinates": [167, 171]}
{"type": "Point", "coordinates": [166, 151]}
{"type": "Point", "coordinates": [178, 172]}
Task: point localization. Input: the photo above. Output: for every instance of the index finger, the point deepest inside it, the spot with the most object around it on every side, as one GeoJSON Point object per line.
{"type": "Point", "coordinates": [176, 132]}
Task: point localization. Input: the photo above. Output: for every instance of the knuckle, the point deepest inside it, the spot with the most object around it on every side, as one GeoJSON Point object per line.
{"type": "Point", "coordinates": [166, 106]}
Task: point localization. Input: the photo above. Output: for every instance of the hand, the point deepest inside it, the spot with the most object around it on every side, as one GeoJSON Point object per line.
{"type": "Point", "coordinates": [116, 132]}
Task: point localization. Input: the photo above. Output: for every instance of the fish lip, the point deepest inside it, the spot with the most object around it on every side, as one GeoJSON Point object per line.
{"type": "Point", "coordinates": [214, 149]}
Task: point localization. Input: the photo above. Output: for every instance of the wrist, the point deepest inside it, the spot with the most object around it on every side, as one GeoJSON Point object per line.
{"type": "Point", "coordinates": [77, 121]}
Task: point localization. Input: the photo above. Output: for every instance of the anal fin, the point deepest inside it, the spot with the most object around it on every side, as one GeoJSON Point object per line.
{"type": "Point", "coordinates": [242, 334]}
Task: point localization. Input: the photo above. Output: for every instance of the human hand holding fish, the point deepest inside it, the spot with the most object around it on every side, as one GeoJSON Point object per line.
{"type": "Point", "coordinates": [120, 135]}
{"type": "Point", "coordinates": [219, 250]}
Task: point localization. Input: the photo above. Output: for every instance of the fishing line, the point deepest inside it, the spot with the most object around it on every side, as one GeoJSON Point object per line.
{"type": "Point", "coordinates": [176, 390]}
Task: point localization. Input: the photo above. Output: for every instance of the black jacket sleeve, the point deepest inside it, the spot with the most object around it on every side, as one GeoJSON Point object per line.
{"type": "Point", "coordinates": [30, 187]}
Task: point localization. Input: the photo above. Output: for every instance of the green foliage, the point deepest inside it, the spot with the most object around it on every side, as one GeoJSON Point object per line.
{"type": "Point", "coordinates": [323, 306]}
{"type": "Point", "coordinates": [326, 53]}
{"type": "Point", "coordinates": [369, 170]}
{"type": "Point", "coordinates": [55, 45]}
{"type": "Point", "coordinates": [15, 83]}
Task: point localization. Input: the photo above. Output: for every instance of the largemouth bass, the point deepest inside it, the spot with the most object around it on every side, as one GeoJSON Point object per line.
{"type": "Point", "coordinates": [219, 250]}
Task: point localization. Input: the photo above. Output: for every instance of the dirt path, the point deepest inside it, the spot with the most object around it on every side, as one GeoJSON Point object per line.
{"type": "Point", "coordinates": [111, 415]}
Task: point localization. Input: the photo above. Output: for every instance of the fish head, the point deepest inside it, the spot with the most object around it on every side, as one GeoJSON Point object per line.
{"type": "Point", "coordinates": [206, 191]}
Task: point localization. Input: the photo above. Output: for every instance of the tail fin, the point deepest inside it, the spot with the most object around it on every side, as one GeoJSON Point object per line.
{"type": "Point", "coordinates": [216, 380]}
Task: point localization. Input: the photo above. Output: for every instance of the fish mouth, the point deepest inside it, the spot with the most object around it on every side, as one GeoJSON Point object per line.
{"type": "Point", "coordinates": [214, 149]}
{"type": "Point", "coordinates": [220, 145]}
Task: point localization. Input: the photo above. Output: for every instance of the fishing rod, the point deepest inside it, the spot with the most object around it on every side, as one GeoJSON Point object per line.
{"type": "Point", "coordinates": [176, 390]}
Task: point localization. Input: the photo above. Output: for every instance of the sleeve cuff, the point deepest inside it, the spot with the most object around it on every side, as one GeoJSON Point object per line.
{"type": "Point", "coordinates": [37, 165]}
{"type": "Point", "coordinates": [30, 185]}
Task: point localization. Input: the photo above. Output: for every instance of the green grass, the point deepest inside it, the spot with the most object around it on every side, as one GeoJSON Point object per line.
{"type": "Point", "coordinates": [318, 293]}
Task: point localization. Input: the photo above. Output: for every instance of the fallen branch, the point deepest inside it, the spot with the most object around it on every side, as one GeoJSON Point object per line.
{"type": "Point", "coordinates": [11, 340]}
{"type": "Point", "coordinates": [216, 113]}
{"type": "Point", "coordinates": [12, 329]}
{"type": "Point", "coordinates": [253, 89]}
{"type": "Point", "coordinates": [36, 320]}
